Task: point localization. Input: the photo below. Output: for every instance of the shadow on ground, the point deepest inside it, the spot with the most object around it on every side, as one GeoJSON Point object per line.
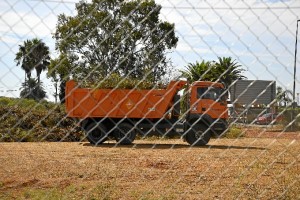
{"type": "Point", "coordinates": [169, 146]}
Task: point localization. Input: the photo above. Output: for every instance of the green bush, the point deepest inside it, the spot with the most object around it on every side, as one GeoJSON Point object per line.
{"type": "Point", "coordinates": [115, 81]}
{"type": "Point", "coordinates": [4, 101]}
{"type": "Point", "coordinates": [24, 120]}
{"type": "Point", "coordinates": [291, 119]}
{"type": "Point", "coordinates": [234, 132]}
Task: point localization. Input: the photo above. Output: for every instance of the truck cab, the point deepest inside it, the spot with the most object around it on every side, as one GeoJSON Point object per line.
{"type": "Point", "coordinates": [207, 112]}
{"type": "Point", "coordinates": [208, 98]}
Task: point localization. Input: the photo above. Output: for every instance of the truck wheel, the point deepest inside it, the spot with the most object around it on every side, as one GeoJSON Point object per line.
{"type": "Point", "coordinates": [198, 135]}
{"type": "Point", "coordinates": [96, 133]}
{"type": "Point", "coordinates": [124, 133]}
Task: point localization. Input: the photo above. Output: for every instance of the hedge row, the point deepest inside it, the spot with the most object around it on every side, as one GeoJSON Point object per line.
{"type": "Point", "coordinates": [115, 81]}
{"type": "Point", "coordinates": [26, 120]}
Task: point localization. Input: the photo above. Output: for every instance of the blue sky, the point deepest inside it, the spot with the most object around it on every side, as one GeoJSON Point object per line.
{"type": "Point", "coordinates": [260, 35]}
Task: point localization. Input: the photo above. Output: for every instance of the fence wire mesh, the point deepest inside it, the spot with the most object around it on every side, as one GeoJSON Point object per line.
{"type": "Point", "coordinates": [149, 99]}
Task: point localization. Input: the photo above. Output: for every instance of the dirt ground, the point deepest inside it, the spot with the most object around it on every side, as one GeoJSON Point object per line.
{"type": "Point", "coordinates": [253, 167]}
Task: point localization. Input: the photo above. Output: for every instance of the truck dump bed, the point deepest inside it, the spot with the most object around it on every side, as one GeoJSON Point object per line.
{"type": "Point", "coordinates": [119, 103]}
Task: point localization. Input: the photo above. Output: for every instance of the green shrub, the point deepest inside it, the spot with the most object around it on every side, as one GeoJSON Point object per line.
{"type": "Point", "coordinates": [291, 119]}
{"type": "Point", "coordinates": [23, 120]}
{"type": "Point", "coordinates": [234, 132]}
{"type": "Point", "coordinates": [4, 101]}
{"type": "Point", "coordinates": [115, 81]}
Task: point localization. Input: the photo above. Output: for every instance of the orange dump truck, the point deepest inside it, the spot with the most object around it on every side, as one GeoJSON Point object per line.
{"type": "Point", "coordinates": [123, 113]}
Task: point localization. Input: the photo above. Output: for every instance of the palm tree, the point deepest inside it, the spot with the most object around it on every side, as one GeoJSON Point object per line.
{"type": "Point", "coordinates": [33, 54]}
{"type": "Point", "coordinates": [225, 70]}
{"type": "Point", "coordinates": [23, 58]}
{"type": "Point", "coordinates": [40, 54]}
{"type": "Point", "coordinates": [228, 70]}
{"type": "Point", "coordinates": [198, 71]}
{"type": "Point", "coordinates": [32, 90]}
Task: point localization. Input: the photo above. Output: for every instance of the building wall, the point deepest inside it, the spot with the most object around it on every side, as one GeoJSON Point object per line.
{"type": "Point", "coordinates": [253, 92]}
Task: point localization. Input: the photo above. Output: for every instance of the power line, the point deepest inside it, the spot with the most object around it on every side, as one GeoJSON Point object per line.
{"type": "Point", "coordinates": [8, 90]}
{"type": "Point", "coordinates": [228, 8]}
{"type": "Point", "coordinates": [192, 7]}
{"type": "Point", "coordinates": [55, 1]}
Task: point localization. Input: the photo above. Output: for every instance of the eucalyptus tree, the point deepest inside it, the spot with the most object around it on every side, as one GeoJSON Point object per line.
{"type": "Point", "coordinates": [58, 71]}
{"type": "Point", "coordinates": [116, 36]}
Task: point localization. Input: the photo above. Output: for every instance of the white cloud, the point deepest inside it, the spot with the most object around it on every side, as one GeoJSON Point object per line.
{"type": "Point", "coordinates": [259, 34]}
{"type": "Point", "coordinates": [27, 24]}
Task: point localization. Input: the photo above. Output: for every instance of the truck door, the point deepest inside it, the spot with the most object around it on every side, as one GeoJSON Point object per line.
{"type": "Point", "coordinates": [209, 100]}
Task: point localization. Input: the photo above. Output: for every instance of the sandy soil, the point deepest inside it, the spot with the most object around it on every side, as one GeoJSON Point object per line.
{"type": "Point", "coordinates": [245, 168]}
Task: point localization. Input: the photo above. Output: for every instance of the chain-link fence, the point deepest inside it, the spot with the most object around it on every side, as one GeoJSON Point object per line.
{"type": "Point", "coordinates": [149, 99]}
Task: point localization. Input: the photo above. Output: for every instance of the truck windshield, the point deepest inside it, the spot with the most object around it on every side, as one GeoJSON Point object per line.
{"type": "Point", "coordinates": [211, 93]}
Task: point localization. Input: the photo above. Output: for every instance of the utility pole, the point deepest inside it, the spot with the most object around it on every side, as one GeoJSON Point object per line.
{"type": "Point", "coordinates": [294, 104]}
{"type": "Point", "coordinates": [295, 63]}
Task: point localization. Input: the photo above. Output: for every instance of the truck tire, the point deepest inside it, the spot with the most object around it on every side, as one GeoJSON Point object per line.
{"type": "Point", "coordinates": [198, 135]}
{"type": "Point", "coordinates": [124, 133]}
{"type": "Point", "coordinates": [96, 133]}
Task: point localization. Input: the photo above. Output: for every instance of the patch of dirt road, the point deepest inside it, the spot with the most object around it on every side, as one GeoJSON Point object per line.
{"type": "Point", "coordinates": [244, 168]}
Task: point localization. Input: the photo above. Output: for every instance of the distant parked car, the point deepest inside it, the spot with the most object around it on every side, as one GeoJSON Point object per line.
{"type": "Point", "coordinates": [268, 118]}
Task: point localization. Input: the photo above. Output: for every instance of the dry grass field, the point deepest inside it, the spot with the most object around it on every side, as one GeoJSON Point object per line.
{"type": "Point", "coordinates": [245, 168]}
